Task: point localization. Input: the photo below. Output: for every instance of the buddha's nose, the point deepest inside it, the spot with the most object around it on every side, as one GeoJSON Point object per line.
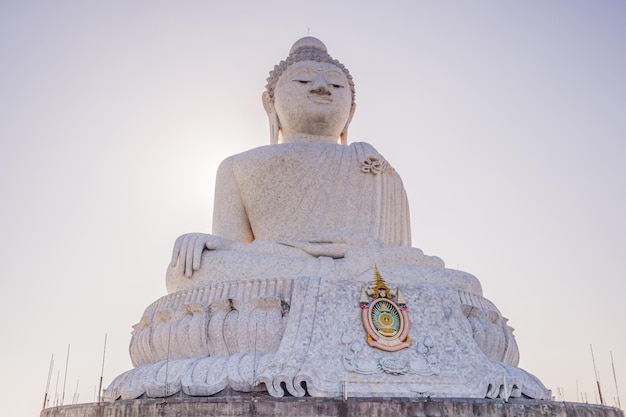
{"type": "Point", "coordinates": [320, 89]}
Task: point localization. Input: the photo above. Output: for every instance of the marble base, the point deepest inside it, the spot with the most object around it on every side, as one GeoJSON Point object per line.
{"type": "Point", "coordinates": [306, 336]}
{"type": "Point", "coordinates": [263, 405]}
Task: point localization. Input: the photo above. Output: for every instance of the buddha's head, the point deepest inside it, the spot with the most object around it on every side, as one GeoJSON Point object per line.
{"type": "Point", "coordinates": [309, 95]}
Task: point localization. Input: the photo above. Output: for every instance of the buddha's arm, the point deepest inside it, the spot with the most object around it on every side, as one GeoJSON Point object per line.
{"type": "Point", "coordinates": [230, 220]}
{"type": "Point", "coordinates": [230, 225]}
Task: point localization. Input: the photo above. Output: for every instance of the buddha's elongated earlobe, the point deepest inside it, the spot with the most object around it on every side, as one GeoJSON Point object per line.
{"type": "Point", "coordinates": [268, 105]}
{"type": "Point", "coordinates": [343, 136]}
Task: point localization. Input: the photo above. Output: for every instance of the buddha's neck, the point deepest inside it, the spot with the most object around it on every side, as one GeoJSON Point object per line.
{"type": "Point", "coordinates": [305, 137]}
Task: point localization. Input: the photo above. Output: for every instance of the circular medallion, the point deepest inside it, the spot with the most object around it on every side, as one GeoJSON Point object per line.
{"type": "Point", "coordinates": [385, 318]}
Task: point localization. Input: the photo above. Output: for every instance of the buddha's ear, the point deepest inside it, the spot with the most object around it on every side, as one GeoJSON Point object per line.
{"type": "Point", "coordinates": [343, 136]}
{"type": "Point", "coordinates": [270, 109]}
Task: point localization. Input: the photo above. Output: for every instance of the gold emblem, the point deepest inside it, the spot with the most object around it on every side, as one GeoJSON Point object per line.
{"type": "Point", "coordinates": [384, 315]}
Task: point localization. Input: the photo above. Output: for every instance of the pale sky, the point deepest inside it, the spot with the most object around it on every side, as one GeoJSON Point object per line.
{"type": "Point", "coordinates": [505, 119]}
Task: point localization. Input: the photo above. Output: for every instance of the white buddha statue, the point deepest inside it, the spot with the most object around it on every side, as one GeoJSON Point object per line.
{"type": "Point", "coordinates": [274, 298]}
{"type": "Point", "coordinates": [307, 195]}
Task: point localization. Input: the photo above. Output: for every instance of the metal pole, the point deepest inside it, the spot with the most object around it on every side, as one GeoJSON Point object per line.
{"type": "Point", "coordinates": [67, 360]}
{"type": "Point", "coordinates": [75, 397]}
{"type": "Point", "coordinates": [56, 388]}
{"type": "Point", "coordinates": [45, 397]}
{"type": "Point", "coordinates": [597, 376]}
{"type": "Point", "coordinates": [102, 371]}
{"type": "Point", "coordinates": [619, 404]}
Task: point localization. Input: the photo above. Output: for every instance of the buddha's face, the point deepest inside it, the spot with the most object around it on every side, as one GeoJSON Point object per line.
{"type": "Point", "coordinates": [313, 98]}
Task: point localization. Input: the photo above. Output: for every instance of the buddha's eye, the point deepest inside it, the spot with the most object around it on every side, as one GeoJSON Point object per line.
{"type": "Point", "coordinates": [302, 81]}
{"type": "Point", "coordinates": [337, 85]}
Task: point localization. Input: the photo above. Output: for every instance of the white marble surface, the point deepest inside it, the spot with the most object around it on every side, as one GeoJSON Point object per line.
{"type": "Point", "coordinates": [250, 335]}
{"type": "Point", "coordinates": [270, 299]}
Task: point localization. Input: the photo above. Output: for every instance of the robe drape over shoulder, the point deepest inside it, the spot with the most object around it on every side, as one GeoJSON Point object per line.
{"type": "Point", "coordinates": [310, 190]}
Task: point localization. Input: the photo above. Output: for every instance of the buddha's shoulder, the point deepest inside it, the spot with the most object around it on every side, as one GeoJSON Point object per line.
{"type": "Point", "coordinates": [266, 156]}
{"type": "Point", "coordinates": [247, 157]}
{"type": "Point", "coordinates": [285, 149]}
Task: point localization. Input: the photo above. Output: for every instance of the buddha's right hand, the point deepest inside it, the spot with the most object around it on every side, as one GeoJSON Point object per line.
{"type": "Point", "coordinates": [188, 250]}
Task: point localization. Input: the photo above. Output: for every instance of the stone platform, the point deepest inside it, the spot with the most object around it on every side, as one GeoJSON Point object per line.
{"type": "Point", "coordinates": [264, 405]}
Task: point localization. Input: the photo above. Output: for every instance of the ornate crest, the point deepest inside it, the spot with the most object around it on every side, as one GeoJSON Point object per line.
{"type": "Point", "coordinates": [384, 315]}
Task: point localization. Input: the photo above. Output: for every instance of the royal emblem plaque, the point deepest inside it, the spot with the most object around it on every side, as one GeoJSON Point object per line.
{"type": "Point", "coordinates": [384, 315]}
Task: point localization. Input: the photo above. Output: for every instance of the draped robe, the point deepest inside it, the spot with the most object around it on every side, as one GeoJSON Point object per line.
{"type": "Point", "coordinates": [306, 190]}
{"type": "Point", "coordinates": [289, 209]}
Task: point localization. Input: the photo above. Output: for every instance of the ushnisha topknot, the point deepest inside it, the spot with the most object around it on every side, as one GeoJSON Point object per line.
{"type": "Point", "coordinates": [306, 49]}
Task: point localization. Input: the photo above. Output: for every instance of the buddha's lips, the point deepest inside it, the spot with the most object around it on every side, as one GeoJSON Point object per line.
{"type": "Point", "coordinates": [321, 99]}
